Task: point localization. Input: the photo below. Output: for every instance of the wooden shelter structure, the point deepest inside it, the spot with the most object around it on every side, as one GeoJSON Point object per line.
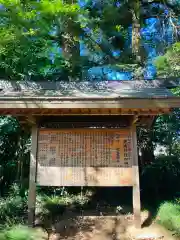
{"type": "Point", "coordinates": [84, 133]}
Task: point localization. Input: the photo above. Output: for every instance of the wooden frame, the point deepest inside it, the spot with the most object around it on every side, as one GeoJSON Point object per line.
{"type": "Point", "coordinates": [79, 130]}
{"type": "Point", "coordinates": [136, 186]}
{"type": "Point", "coordinates": [27, 98]}
{"type": "Point", "coordinates": [135, 172]}
{"type": "Point", "coordinates": [32, 176]}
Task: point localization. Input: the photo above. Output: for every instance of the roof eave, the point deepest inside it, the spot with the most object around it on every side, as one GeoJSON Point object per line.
{"type": "Point", "coordinates": [59, 103]}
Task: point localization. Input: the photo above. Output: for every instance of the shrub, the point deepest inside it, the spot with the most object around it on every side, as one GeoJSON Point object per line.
{"type": "Point", "coordinates": [169, 216]}
{"type": "Point", "coordinates": [20, 232]}
{"type": "Point", "coordinates": [56, 205]}
{"type": "Point", "coordinates": [161, 178]}
{"type": "Point", "coordinates": [80, 201]}
{"type": "Point", "coordinates": [13, 208]}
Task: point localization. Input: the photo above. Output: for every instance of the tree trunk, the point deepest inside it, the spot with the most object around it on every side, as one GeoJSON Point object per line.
{"type": "Point", "coordinates": [70, 45]}
{"type": "Point", "coordinates": [136, 30]}
{"type": "Point", "coordinates": [147, 154]}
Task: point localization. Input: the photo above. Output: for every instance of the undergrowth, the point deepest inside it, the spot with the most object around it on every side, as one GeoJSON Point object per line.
{"type": "Point", "coordinates": [56, 205]}
{"type": "Point", "coordinates": [169, 216]}
{"type": "Point", "coordinates": [13, 208]}
{"type": "Point", "coordinates": [20, 232]}
{"type": "Point", "coordinates": [13, 211]}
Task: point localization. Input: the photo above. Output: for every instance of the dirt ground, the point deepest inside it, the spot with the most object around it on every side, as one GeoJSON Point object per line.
{"type": "Point", "coordinates": [106, 228]}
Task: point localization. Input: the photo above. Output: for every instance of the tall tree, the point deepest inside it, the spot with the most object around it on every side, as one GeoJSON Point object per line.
{"type": "Point", "coordinates": [32, 31]}
{"type": "Point", "coordinates": [136, 30]}
{"type": "Point", "coordinates": [32, 34]}
{"type": "Point", "coordinates": [42, 39]}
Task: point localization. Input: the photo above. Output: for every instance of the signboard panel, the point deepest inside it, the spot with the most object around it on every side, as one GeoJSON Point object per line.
{"type": "Point", "coordinates": [84, 157]}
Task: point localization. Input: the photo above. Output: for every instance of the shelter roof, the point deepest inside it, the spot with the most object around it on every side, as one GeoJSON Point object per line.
{"type": "Point", "coordinates": [86, 90]}
{"type": "Point", "coordinates": [95, 98]}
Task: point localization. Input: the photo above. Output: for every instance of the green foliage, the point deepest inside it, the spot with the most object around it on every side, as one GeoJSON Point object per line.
{"type": "Point", "coordinates": [169, 216]}
{"type": "Point", "coordinates": [82, 199]}
{"type": "Point", "coordinates": [176, 91]}
{"type": "Point", "coordinates": [13, 208]}
{"type": "Point", "coordinates": [27, 34]}
{"type": "Point", "coordinates": [13, 211]}
{"type": "Point", "coordinates": [55, 205]}
{"type": "Point", "coordinates": [20, 232]}
{"type": "Point", "coordinates": [165, 182]}
{"type": "Point", "coordinates": [166, 130]}
{"type": "Point", "coordinates": [169, 64]}
{"type": "Point", "coordinates": [9, 136]}
{"type": "Point", "coordinates": [14, 151]}
{"type": "Point", "coordinates": [8, 125]}
{"type": "Point", "coordinates": [32, 29]}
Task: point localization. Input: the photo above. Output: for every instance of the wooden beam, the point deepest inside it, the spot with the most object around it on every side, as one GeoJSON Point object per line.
{"type": "Point", "coordinates": [136, 104]}
{"type": "Point", "coordinates": [115, 110]}
{"type": "Point", "coordinates": [136, 185]}
{"type": "Point", "coordinates": [32, 177]}
{"type": "Point", "coordinates": [31, 120]}
{"type": "Point", "coordinates": [146, 121]}
{"type": "Point", "coordinates": [135, 119]}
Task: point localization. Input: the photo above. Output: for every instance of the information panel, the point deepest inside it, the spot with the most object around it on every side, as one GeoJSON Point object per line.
{"type": "Point", "coordinates": [84, 157]}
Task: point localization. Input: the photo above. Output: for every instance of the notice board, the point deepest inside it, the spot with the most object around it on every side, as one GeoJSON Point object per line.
{"type": "Point", "coordinates": [84, 157]}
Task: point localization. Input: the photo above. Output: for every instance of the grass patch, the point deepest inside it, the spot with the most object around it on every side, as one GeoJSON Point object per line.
{"type": "Point", "coordinates": [169, 216]}
{"type": "Point", "coordinates": [20, 232]}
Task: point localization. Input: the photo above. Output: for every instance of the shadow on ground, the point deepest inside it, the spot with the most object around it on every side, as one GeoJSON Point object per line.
{"type": "Point", "coordinates": [102, 217]}
{"type": "Point", "coordinates": [89, 227]}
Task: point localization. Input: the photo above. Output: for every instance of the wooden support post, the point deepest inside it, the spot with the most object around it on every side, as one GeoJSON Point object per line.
{"type": "Point", "coordinates": [32, 177]}
{"type": "Point", "coordinates": [136, 186]}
